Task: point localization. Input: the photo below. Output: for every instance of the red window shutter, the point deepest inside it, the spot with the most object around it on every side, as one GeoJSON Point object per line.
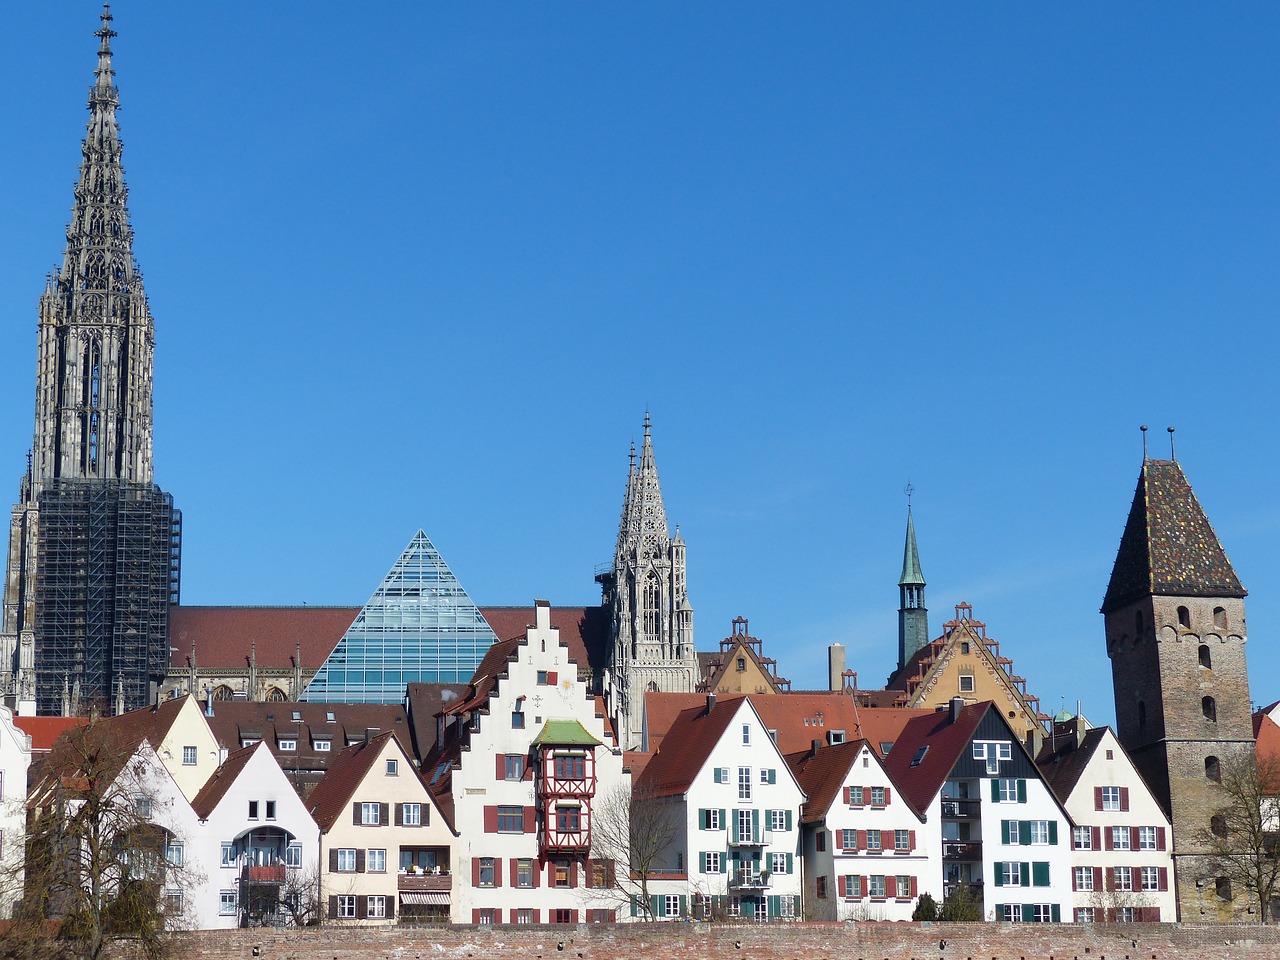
{"type": "Point", "coordinates": [573, 873]}
{"type": "Point", "coordinates": [1097, 798]}
{"type": "Point", "coordinates": [1134, 841]}
{"type": "Point", "coordinates": [362, 908]}
{"type": "Point", "coordinates": [891, 887]}
{"type": "Point", "coordinates": [847, 801]}
{"type": "Point", "coordinates": [515, 865]}
{"type": "Point", "coordinates": [1159, 838]}
{"type": "Point", "coordinates": [611, 873]}
{"type": "Point", "coordinates": [862, 839]}
{"type": "Point", "coordinates": [333, 861]}
{"type": "Point", "coordinates": [888, 798]}
{"type": "Point", "coordinates": [839, 838]}
{"type": "Point", "coordinates": [500, 766]}
{"type": "Point", "coordinates": [399, 814]}
{"type": "Point", "coordinates": [1097, 838]}
{"type": "Point", "coordinates": [1164, 879]}
{"type": "Point", "coordinates": [530, 819]}
{"type": "Point", "coordinates": [842, 884]}
{"type": "Point", "coordinates": [355, 814]}
{"type": "Point", "coordinates": [1124, 799]}
{"type": "Point", "coordinates": [552, 677]}
{"type": "Point", "coordinates": [475, 915]}
{"type": "Point", "coordinates": [589, 877]}
{"type": "Point", "coordinates": [911, 839]}
{"type": "Point", "coordinates": [573, 916]}
{"type": "Point", "coordinates": [1111, 879]}
{"type": "Point", "coordinates": [1097, 878]}
{"type": "Point", "coordinates": [1108, 837]}
{"type": "Point", "coordinates": [537, 879]}
{"type": "Point", "coordinates": [475, 871]}
{"type": "Point", "coordinates": [490, 819]}
{"type": "Point", "coordinates": [913, 887]}
{"type": "Point", "coordinates": [1075, 881]}
{"type": "Point", "coordinates": [866, 796]}
{"type": "Point", "coordinates": [497, 871]}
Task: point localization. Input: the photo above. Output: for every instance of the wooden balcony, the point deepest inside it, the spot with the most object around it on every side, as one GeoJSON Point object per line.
{"type": "Point", "coordinates": [961, 809]}
{"type": "Point", "coordinates": [254, 873]}
{"type": "Point", "coordinates": [425, 882]}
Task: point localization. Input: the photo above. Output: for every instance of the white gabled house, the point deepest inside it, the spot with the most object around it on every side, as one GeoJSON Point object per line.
{"type": "Point", "coordinates": [867, 854]}
{"type": "Point", "coordinates": [256, 846]}
{"type": "Point", "coordinates": [734, 806]}
{"type": "Point", "coordinates": [1003, 835]}
{"type": "Point", "coordinates": [521, 765]}
{"type": "Point", "coordinates": [1121, 850]}
{"type": "Point", "coordinates": [15, 761]}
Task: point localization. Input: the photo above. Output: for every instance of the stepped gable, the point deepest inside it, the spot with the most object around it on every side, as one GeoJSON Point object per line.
{"type": "Point", "coordinates": [1168, 547]}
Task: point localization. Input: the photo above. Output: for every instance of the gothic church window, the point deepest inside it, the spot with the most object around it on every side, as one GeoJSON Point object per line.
{"type": "Point", "coordinates": [652, 604]}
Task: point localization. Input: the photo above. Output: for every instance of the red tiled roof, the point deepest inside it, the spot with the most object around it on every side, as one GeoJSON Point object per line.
{"type": "Point", "coordinates": [821, 774]}
{"type": "Point", "coordinates": [689, 742]}
{"type": "Point", "coordinates": [223, 635]}
{"type": "Point", "coordinates": [1268, 736]}
{"type": "Point", "coordinates": [329, 799]}
{"type": "Point", "coordinates": [220, 780]}
{"type": "Point", "coordinates": [1062, 764]}
{"type": "Point", "coordinates": [44, 731]}
{"type": "Point", "coordinates": [919, 784]}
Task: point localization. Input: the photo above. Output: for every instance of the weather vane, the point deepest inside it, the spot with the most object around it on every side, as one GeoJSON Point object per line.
{"type": "Point", "coordinates": [909, 491]}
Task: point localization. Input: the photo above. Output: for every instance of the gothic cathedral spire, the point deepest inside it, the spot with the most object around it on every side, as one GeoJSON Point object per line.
{"type": "Point", "coordinates": [647, 599]}
{"type": "Point", "coordinates": [94, 545]}
{"type": "Point", "coordinates": [913, 616]}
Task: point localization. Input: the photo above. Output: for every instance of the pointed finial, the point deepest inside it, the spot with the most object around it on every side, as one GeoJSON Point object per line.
{"type": "Point", "coordinates": [1143, 428]}
{"type": "Point", "coordinates": [633, 455]}
{"type": "Point", "coordinates": [1173, 454]}
{"type": "Point", "coordinates": [909, 491]}
{"type": "Point", "coordinates": [647, 421]}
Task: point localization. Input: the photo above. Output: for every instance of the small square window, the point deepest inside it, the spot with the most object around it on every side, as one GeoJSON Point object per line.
{"type": "Point", "coordinates": [253, 809]}
{"type": "Point", "coordinates": [323, 746]}
{"type": "Point", "coordinates": [966, 683]}
{"type": "Point", "coordinates": [271, 809]}
{"type": "Point", "coordinates": [288, 745]}
{"type": "Point", "coordinates": [393, 768]}
{"type": "Point", "coordinates": [517, 719]}
{"type": "Point", "coordinates": [188, 756]}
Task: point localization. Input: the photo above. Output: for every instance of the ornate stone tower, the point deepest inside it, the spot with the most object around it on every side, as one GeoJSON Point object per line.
{"type": "Point", "coordinates": [1175, 628]}
{"type": "Point", "coordinates": [913, 616]}
{"type": "Point", "coordinates": [646, 596]}
{"type": "Point", "coordinates": [94, 545]}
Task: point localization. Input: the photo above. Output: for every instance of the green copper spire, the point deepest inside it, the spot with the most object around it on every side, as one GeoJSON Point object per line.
{"type": "Point", "coordinates": [911, 574]}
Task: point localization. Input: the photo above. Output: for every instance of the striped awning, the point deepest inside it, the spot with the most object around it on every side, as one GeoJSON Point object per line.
{"type": "Point", "coordinates": [415, 899]}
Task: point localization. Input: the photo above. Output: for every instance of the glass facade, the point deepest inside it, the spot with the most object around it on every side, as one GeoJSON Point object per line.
{"type": "Point", "coordinates": [419, 626]}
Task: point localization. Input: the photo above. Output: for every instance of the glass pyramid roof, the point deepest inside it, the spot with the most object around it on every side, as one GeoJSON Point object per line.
{"type": "Point", "coordinates": [419, 625]}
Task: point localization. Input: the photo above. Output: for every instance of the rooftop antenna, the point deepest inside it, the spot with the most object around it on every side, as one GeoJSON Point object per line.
{"type": "Point", "coordinates": [1173, 454]}
{"type": "Point", "coordinates": [1143, 428]}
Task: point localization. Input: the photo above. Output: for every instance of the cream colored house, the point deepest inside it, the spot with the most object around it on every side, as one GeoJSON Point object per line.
{"type": "Point", "coordinates": [385, 848]}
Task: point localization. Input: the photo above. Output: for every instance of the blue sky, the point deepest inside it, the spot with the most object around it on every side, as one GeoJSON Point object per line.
{"type": "Point", "coordinates": [421, 265]}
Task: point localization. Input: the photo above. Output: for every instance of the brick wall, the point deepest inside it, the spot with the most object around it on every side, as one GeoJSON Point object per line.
{"type": "Point", "coordinates": [801, 941]}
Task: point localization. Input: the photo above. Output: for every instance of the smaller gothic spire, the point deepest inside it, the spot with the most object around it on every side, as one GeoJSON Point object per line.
{"type": "Point", "coordinates": [104, 73]}
{"type": "Point", "coordinates": [911, 572]}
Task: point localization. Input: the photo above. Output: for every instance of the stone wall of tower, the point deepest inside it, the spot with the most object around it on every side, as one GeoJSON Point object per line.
{"type": "Point", "coordinates": [1164, 666]}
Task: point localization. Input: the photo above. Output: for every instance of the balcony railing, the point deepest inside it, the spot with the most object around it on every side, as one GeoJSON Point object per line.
{"type": "Point", "coordinates": [256, 873]}
{"type": "Point", "coordinates": [425, 882]}
{"type": "Point", "coordinates": [750, 838]}
{"type": "Point", "coordinates": [746, 880]}
{"type": "Point", "coordinates": [961, 809]}
{"type": "Point", "coordinates": [961, 850]}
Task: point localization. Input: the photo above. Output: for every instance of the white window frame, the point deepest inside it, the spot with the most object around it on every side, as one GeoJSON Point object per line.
{"type": "Point", "coordinates": [1146, 838]}
{"type": "Point", "coordinates": [1082, 838]}
{"type": "Point", "coordinates": [713, 820]}
{"type": "Point", "coordinates": [346, 906]}
{"type": "Point", "coordinates": [878, 792]}
{"type": "Point", "coordinates": [1008, 789]}
{"type": "Point", "coordinates": [1040, 833]}
{"type": "Point", "coordinates": [375, 860]}
{"type": "Point", "coordinates": [744, 784]}
{"type": "Point", "coordinates": [746, 734]}
{"type": "Point", "coordinates": [1084, 879]}
{"type": "Point", "coordinates": [411, 814]}
{"type": "Point", "coordinates": [346, 860]}
{"type": "Point", "coordinates": [876, 887]}
{"type": "Point", "coordinates": [671, 905]}
{"type": "Point", "coordinates": [322, 746]}
{"type": "Point", "coordinates": [375, 906]}
{"type": "Point", "coordinates": [778, 820]}
{"type": "Point", "coordinates": [1121, 839]}
{"type": "Point", "coordinates": [370, 814]}
{"type": "Point", "coordinates": [1122, 879]}
{"type": "Point", "coordinates": [711, 861]}
{"type": "Point", "coordinates": [393, 767]}
{"type": "Point", "coordinates": [293, 856]}
{"type": "Point", "coordinates": [1150, 879]}
{"type": "Point", "coordinates": [228, 903]}
{"type": "Point", "coordinates": [902, 840]}
{"type": "Point", "coordinates": [1111, 799]}
{"type": "Point", "coordinates": [190, 756]}
{"type": "Point", "coordinates": [1013, 873]}
{"type": "Point", "coordinates": [778, 863]}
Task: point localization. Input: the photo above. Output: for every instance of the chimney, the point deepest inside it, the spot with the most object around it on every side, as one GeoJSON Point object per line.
{"type": "Point", "coordinates": [953, 712]}
{"type": "Point", "coordinates": [1034, 741]}
{"type": "Point", "coordinates": [370, 733]}
{"type": "Point", "coordinates": [835, 667]}
{"type": "Point", "coordinates": [711, 702]}
{"type": "Point", "coordinates": [208, 700]}
{"type": "Point", "coordinates": [542, 614]}
{"type": "Point", "coordinates": [814, 747]}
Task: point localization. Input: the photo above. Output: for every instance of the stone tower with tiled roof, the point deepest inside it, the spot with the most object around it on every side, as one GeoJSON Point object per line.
{"type": "Point", "coordinates": [648, 602]}
{"type": "Point", "coordinates": [913, 616]}
{"type": "Point", "coordinates": [94, 544]}
{"type": "Point", "coordinates": [1175, 629]}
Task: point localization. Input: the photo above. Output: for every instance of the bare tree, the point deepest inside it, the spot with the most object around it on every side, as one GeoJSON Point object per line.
{"type": "Point", "coordinates": [300, 897]}
{"type": "Point", "coordinates": [637, 830]}
{"type": "Point", "coordinates": [1241, 840]}
{"type": "Point", "coordinates": [99, 867]}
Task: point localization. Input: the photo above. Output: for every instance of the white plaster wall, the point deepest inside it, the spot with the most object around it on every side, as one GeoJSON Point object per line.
{"type": "Point", "coordinates": [1040, 805]}
{"type": "Point", "coordinates": [15, 759]}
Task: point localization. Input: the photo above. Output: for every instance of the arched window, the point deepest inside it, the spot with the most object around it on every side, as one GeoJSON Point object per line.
{"type": "Point", "coordinates": [1213, 769]}
{"type": "Point", "coordinates": [1209, 708]}
{"type": "Point", "coordinates": [1220, 618]}
{"type": "Point", "coordinates": [276, 694]}
{"type": "Point", "coordinates": [652, 606]}
{"type": "Point", "coordinates": [1184, 618]}
{"type": "Point", "coordinates": [1218, 825]}
{"type": "Point", "coordinates": [222, 692]}
{"type": "Point", "coordinates": [1206, 660]}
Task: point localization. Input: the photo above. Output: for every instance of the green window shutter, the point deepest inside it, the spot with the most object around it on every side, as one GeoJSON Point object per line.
{"type": "Point", "coordinates": [773, 776]}
{"type": "Point", "coordinates": [655, 905]}
{"type": "Point", "coordinates": [790, 866]}
{"type": "Point", "coordinates": [999, 874]}
{"type": "Point", "coordinates": [724, 864]}
{"type": "Point", "coordinates": [1053, 833]}
{"type": "Point", "coordinates": [1026, 873]}
{"type": "Point", "coordinates": [702, 819]}
{"type": "Point", "coordinates": [1028, 913]}
{"type": "Point", "coordinates": [755, 824]}
{"type": "Point", "coordinates": [1005, 831]}
{"type": "Point", "coordinates": [706, 861]}
{"type": "Point", "coordinates": [995, 791]}
{"type": "Point", "coordinates": [724, 818]}
{"type": "Point", "coordinates": [1055, 913]}
{"type": "Point", "coordinates": [684, 905]}
{"type": "Point", "coordinates": [635, 907]}
{"type": "Point", "coordinates": [773, 906]}
{"type": "Point", "coordinates": [716, 775]}
{"type": "Point", "coordinates": [1040, 874]}
{"type": "Point", "coordinates": [1022, 791]}
{"type": "Point", "coordinates": [1024, 832]}
{"type": "Point", "coordinates": [788, 819]}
